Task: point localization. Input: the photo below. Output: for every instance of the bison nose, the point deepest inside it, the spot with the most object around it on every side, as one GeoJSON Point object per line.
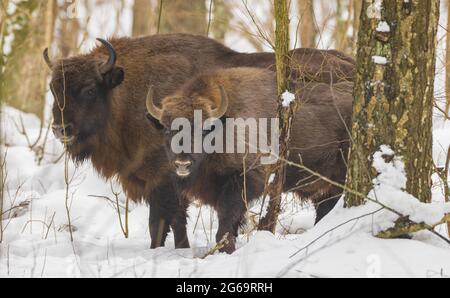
{"type": "Point", "coordinates": [62, 131]}
{"type": "Point", "coordinates": [183, 163]}
{"type": "Point", "coordinates": [183, 168]}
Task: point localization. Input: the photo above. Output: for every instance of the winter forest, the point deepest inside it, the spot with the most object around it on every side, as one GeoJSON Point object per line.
{"type": "Point", "coordinates": [224, 139]}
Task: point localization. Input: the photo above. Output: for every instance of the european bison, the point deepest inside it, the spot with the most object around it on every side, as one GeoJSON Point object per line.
{"type": "Point", "coordinates": [319, 140]}
{"type": "Point", "coordinates": [102, 95]}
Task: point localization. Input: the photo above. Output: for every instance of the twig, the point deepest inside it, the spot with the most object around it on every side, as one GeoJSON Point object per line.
{"type": "Point", "coordinates": [158, 28]}
{"type": "Point", "coordinates": [50, 225]}
{"type": "Point", "coordinates": [218, 246]}
{"type": "Point", "coordinates": [123, 226]}
{"type": "Point", "coordinates": [109, 200]}
{"type": "Point", "coordinates": [335, 228]}
{"type": "Point", "coordinates": [211, 3]}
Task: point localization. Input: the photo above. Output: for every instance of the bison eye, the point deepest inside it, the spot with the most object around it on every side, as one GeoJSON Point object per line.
{"type": "Point", "coordinates": [89, 93]}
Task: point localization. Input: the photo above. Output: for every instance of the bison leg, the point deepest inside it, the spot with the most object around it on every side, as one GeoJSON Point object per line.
{"type": "Point", "coordinates": [159, 225]}
{"type": "Point", "coordinates": [166, 210]}
{"type": "Point", "coordinates": [231, 211]}
{"type": "Point", "coordinates": [327, 202]}
{"type": "Point", "coordinates": [178, 225]}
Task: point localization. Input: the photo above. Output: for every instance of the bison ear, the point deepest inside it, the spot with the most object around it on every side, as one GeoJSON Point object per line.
{"type": "Point", "coordinates": [114, 77]}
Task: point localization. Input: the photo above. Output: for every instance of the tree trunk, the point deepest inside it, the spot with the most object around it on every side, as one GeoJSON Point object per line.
{"type": "Point", "coordinates": [344, 21]}
{"type": "Point", "coordinates": [393, 96]}
{"type": "Point", "coordinates": [222, 17]}
{"type": "Point", "coordinates": [25, 73]}
{"type": "Point", "coordinates": [308, 28]}
{"type": "Point", "coordinates": [357, 6]}
{"type": "Point", "coordinates": [142, 20]}
{"type": "Point", "coordinates": [3, 20]}
{"type": "Point", "coordinates": [181, 16]}
{"type": "Point", "coordinates": [274, 188]}
{"type": "Point", "coordinates": [68, 31]}
{"type": "Point", "coordinates": [447, 65]}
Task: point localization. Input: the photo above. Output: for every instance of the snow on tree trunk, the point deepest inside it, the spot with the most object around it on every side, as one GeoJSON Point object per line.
{"type": "Point", "coordinates": [394, 92]}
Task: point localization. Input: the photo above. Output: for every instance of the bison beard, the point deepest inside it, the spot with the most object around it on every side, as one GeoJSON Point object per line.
{"type": "Point", "coordinates": [104, 94]}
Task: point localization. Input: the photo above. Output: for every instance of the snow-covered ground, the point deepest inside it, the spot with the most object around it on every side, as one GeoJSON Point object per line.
{"type": "Point", "coordinates": [36, 241]}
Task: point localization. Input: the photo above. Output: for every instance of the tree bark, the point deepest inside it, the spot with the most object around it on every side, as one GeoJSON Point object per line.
{"type": "Point", "coordinates": [68, 31]}
{"type": "Point", "coordinates": [308, 29]}
{"type": "Point", "coordinates": [341, 27]}
{"type": "Point", "coordinates": [3, 20]}
{"type": "Point", "coordinates": [393, 96]}
{"type": "Point", "coordinates": [25, 72]}
{"type": "Point", "coordinates": [447, 64]}
{"type": "Point", "coordinates": [357, 6]}
{"type": "Point", "coordinates": [181, 16]}
{"type": "Point", "coordinates": [142, 17]}
{"type": "Point", "coordinates": [222, 17]}
{"type": "Point", "coordinates": [285, 114]}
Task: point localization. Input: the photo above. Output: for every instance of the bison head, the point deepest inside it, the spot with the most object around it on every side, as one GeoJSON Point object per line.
{"type": "Point", "coordinates": [182, 109]}
{"type": "Point", "coordinates": [81, 87]}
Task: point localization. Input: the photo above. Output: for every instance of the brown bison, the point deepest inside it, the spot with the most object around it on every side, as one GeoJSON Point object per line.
{"type": "Point", "coordinates": [319, 141]}
{"type": "Point", "coordinates": [99, 109]}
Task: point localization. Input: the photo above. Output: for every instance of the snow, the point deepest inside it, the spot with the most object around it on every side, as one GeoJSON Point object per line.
{"type": "Point", "coordinates": [374, 10]}
{"type": "Point", "coordinates": [288, 98]}
{"type": "Point", "coordinates": [37, 243]}
{"type": "Point", "coordinates": [383, 27]}
{"type": "Point", "coordinates": [389, 190]}
{"type": "Point", "coordinates": [379, 60]}
{"type": "Point", "coordinates": [271, 178]}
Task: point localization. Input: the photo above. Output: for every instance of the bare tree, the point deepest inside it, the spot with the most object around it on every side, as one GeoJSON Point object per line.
{"type": "Point", "coordinates": [68, 30]}
{"type": "Point", "coordinates": [221, 11]}
{"type": "Point", "coordinates": [25, 73]}
{"type": "Point", "coordinates": [181, 16]}
{"type": "Point", "coordinates": [357, 6]}
{"type": "Point", "coordinates": [393, 97]}
{"type": "Point", "coordinates": [274, 187]}
{"type": "Point", "coordinates": [142, 21]}
{"type": "Point", "coordinates": [307, 28]}
{"type": "Point", "coordinates": [3, 20]}
{"type": "Point", "coordinates": [447, 64]}
{"type": "Point", "coordinates": [343, 22]}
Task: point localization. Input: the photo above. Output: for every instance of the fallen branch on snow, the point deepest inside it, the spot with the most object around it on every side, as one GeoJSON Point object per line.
{"type": "Point", "coordinates": [218, 246]}
{"type": "Point", "coordinates": [405, 226]}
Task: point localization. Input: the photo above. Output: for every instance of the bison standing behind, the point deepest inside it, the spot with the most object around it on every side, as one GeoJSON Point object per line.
{"type": "Point", "coordinates": [100, 105]}
{"type": "Point", "coordinates": [319, 141]}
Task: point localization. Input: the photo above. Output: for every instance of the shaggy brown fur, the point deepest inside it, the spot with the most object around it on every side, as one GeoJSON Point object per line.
{"type": "Point", "coordinates": [107, 112]}
{"type": "Point", "coordinates": [319, 141]}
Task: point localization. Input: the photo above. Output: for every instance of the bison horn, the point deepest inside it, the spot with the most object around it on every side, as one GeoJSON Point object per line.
{"type": "Point", "coordinates": [47, 59]}
{"type": "Point", "coordinates": [224, 102]}
{"type": "Point", "coordinates": [108, 65]}
{"type": "Point", "coordinates": [151, 108]}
